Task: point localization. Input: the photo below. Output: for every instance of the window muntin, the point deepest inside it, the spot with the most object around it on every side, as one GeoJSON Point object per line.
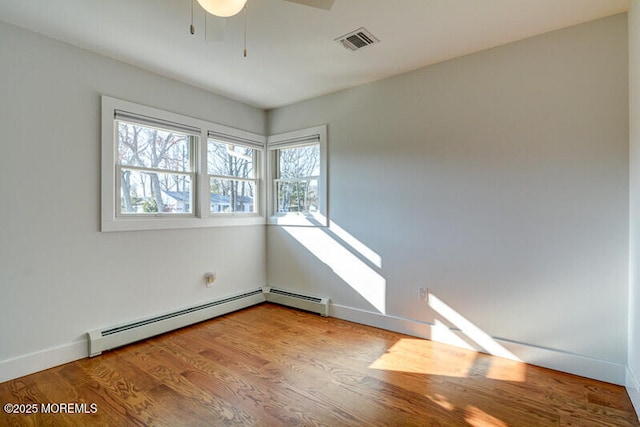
{"type": "Point", "coordinates": [297, 169]}
{"type": "Point", "coordinates": [297, 175]}
{"type": "Point", "coordinates": [233, 178]}
{"type": "Point", "coordinates": [155, 170]}
{"type": "Point", "coordinates": [184, 174]}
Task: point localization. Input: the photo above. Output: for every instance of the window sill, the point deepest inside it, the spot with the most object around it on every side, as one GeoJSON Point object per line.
{"type": "Point", "coordinates": [299, 220]}
{"type": "Point", "coordinates": [138, 224]}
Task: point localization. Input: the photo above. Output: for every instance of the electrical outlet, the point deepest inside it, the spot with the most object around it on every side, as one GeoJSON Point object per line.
{"type": "Point", "coordinates": [424, 294]}
{"type": "Point", "coordinates": [209, 279]}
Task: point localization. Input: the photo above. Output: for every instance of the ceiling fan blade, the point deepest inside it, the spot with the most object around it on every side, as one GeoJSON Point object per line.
{"type": "Point", "coordinates": [320, 4]}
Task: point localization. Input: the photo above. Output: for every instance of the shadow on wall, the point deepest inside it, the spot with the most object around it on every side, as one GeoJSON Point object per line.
{"type": "Point", "coordinates": [359, 266]}
{"type": "Point", "coordinates": [348, 258]}
{"type": "Point", "coordinates": [450, 327]}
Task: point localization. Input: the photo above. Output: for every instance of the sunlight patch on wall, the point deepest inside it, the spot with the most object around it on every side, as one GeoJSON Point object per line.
{"type": "Point", "coordinates": [471, 331]}
{"type": "Point", "coordinates": [343, 262]}
{"type": "Point", "coordinates": [357, 245]}
{"type": "Point", "coordinates": [442, 334]}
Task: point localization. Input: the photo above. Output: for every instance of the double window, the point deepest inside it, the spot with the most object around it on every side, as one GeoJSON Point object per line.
{"type": "Point", "coordinates": [164, 170]}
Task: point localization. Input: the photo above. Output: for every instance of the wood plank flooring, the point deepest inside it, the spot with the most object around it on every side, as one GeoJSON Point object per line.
{"type": "Point", "coordinates": [271, 366]}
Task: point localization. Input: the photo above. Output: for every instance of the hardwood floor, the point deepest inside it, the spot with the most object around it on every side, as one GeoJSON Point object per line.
{"type": "Point", "coordinates": [269, 365]}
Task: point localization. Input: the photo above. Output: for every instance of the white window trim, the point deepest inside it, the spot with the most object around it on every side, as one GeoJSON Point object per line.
{"type": "Point", "coordinates": [259, 165]}
{"type": "Point", "coordinates": [289, 140]}
{"type": "Point", "coordinates": [111, 222]}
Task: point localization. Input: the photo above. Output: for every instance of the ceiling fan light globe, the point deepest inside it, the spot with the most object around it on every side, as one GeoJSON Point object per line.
{"type": "Point", "coordinates": [222, 8]}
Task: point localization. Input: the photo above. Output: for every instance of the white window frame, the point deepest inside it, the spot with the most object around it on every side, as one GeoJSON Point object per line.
{"type": "Point", "coordinates": [110, 221]}
{"type": "Point", "coordinates": [192, 133]}
{"type": "Point", "coordinates": [298, 138]}
{"type": "Point", "coordinates": [258, 165]}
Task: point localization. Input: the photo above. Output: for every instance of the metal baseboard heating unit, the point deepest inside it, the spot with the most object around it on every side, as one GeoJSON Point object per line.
{"type": "Point", "coordinates": [296, 300]}
{"type": "Point", "coordinates": [106, 339]}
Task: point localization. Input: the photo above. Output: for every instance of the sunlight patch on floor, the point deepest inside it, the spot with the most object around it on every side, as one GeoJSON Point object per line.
{"type": "Point", "coordinates": [424, 357]}
{"type": "Point", "coordinates": [507, 370]}
{"type": "Point", "coordinates": [442, 402]}
{"type": "Point", "coordinates": [478, 418]}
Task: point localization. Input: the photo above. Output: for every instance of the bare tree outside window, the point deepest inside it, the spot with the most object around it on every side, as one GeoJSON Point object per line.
{"type": "Point", "coordinates": [297, 180]}
{"type": "Point", "coordinates": [232, 177]}
{"type": "Point", "coordinates": [164, 170]}
{"type": "Point", "coordinates": [156, 173]}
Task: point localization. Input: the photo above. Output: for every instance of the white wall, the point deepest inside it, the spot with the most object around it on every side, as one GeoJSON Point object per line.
{"type": "Point", "coordinates": [59, 275]}
{"type": "Point", "coordinates": [499, 181]}
{"type": "Point", "coordinates": [633, 377]}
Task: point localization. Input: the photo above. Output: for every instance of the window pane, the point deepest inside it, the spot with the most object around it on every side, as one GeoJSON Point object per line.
{"type": "Point", "coordinates": [297, 196]}
{"type": "Point", "coordinates": [230, 160]}
{"type": "Point", "coordinates": [230, 195]}
{"type": "Point", "coordinates": [153, 148]}
{"type": "Point", "coordinates": [148, 192]}
{"type": "Point", "coordinates": [299, 162]}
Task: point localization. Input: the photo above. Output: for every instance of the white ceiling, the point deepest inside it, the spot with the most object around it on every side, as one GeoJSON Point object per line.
{"type": "Point", "coordinates": [292, 54]}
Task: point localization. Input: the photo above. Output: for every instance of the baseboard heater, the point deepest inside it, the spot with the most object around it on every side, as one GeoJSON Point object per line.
{"type": "Point", "coordinates": [106, 339]}
{"type": "Point", "coordinates": [296, 300]}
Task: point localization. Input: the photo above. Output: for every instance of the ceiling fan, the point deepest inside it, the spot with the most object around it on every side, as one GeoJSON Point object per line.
{"type": "Point", "coordinates": [227, 8]}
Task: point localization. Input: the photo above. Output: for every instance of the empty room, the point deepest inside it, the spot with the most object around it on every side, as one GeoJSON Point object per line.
{"type": "Point", "coordinates": [320, 212]}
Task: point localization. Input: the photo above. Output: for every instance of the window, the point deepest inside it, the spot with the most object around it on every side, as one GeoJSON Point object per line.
{"type": "Point", "coordinates": [164, 170]}
{"type": "Point", "coordinates": [298, 176]}
{"type": "Point", "coordinates": [232, 171]}
{"type": "Point", "coordinates": [155, 168]}
{"type": "Point", "coordinates": [296, 183]}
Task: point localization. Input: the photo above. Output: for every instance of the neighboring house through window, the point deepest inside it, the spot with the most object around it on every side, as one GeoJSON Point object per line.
{"type": "Point", "coordinates": [232, 169]}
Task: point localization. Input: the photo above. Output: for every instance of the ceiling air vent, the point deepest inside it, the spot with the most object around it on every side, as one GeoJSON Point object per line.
{"type": "Point", "coordinates": [357, 39]}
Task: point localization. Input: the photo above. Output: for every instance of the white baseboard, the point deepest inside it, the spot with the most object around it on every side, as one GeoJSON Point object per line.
{"type": "Point", "coordinates": [41, 360]}
{"type": "Point", "coordinates": [553, 359]}
{"type": "Point", "coordinates": [55, 356]}
{"type": "Point", "coordinates": [633, 388]}
{"type": "Point", "coordinates": [571, 363]}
